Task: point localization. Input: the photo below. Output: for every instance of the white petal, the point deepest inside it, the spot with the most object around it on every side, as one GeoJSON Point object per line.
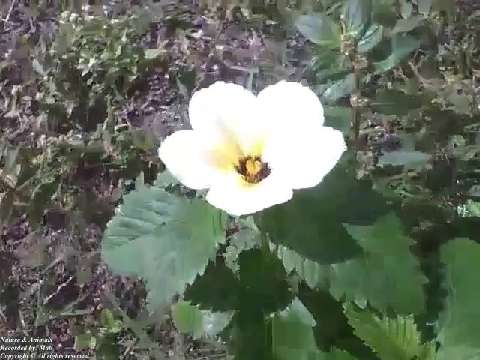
{"type": "Point", "coordinates": [186, 157]}
{"type": "Point", "coordinates": [291, 104]}
{"type": "Point", "coordinates": [237, 198]}
{"type": "Point", "coordinates": [305, 157]}
{"type": "Point", "coordinates": [227, 111]}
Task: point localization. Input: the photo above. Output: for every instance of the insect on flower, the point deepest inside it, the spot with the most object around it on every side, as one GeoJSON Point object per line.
{"type": "Point", "coordinates": [249, 151]}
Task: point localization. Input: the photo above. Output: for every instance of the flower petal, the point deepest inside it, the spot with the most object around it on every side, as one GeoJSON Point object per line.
{"type": "Point", "coordinates": [186, 157]}
{"type": "Point", "coordinates": [306, 156]}
{"type": "Point", "coordinates": [237, 198]}
{"type": "Point", "coordinates": [227, 111]}
{"type": "Point", "coordinates": [290, 104]}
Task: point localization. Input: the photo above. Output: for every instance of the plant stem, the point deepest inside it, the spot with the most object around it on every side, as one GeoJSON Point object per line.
{"type": "Point", "coordinates": [355, 97]}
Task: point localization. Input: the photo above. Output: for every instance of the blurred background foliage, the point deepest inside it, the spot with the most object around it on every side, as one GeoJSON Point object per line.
{"type": "Point", "coordinates": [362, 267]}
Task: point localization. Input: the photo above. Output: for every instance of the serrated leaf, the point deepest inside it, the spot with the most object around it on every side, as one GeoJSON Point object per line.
{"type": "Point", "coordinates": [308, 225]}
{"type": "Point", "coordinates": [372, 37]}
{"type": "Point", "coordinates": [459, 323]}
{"type": "Point", "coordinates": [165, 239]}
{"type": "Point", "coordinates": [391, 338]}
{"type": "Point", "coordinates": [401, 47]}
{"type": "Point", "coordinates": [189, 319]}
{"type": "Point", "coordinates": [387, 275]}
{"type": "Point", "coordinates": [357, 16]}
{"type": "Point", "coordinates": [314, 274]}
{"type": "Point", "coordinates": [292, 336]}
{"type": "Point", "coordinates": [319, 29]}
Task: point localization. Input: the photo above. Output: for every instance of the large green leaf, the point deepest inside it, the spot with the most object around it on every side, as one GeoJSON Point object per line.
{"type": "Point", "coordinates": [387, 275]}
{"type": "Point", "coordinates": [217, 289]}
{"type": "Point", "coordinates": [165, 239]}
{"type": "Point", "coordinates": [263, 281]}
{"type": "Point", "coordinates": [459, 323]}
{"type": "Point", "coordinates": [314, 274]}
{"type": "Point", "coordinates": [391, 338]}
{"type": "Point", "coordinates": [319, 29]}
{"type": "Point", "coordinates": [401, 47]}
{"type": "Point", "coordinates": [311, 223]}
{"type": "Point", "coordinates": [357, 16]}
{"type": "Point", "coordinates": [198, 323]}
{"type": "Point", "coordinates": [292, 336]}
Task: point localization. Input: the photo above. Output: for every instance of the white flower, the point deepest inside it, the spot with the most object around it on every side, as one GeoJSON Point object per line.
{"type": "Point", "coordinates": [252, 151]}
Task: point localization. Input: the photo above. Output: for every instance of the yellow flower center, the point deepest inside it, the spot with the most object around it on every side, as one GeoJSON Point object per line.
{"type": "Point", "coordinates": [252, 169]}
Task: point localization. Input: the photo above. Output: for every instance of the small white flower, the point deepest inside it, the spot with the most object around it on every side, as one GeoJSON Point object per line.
{"type": "Point", "coordinates": [252, 151]}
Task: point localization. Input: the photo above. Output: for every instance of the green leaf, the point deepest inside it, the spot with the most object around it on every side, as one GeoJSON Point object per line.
{"type": "Point", "coordinates": [357, 16]}
{"type": "Point", "coordinates": [292, 336]}
{"type": "Point", "coordinates": [408, 24]}
{"type": "Point", "coordinates": [198, 323]}
{"type": "Point", "coordinates": [338, 117]}
{"type": "Point", "coordinates": [401, 47]}
{"type": "Point", "coordinates": [319, 29]}
{"type": "Point", "coordinates": [458, 325]}
{"type": "Point", "coordinates": [250, 336]}
{"type": "Point", "coordinates": [391, 339]}
{"type": "Point", "coordinates": [311, 224]}
{"type": "Point", "coordinates": [372, 37]}
{"type": "Point", "coordinates": [409, 159]}
{"type": "Point", "coordinates": [162, 238]}
{"type": "Point", "coordinates": [384, 12]}
{"type": "Point", "coordinates": [395, 102]}
{"type": "Point", "coordinates": [339, 88]}
{"type": "Point", "coordinates": [292, 333]}
{"type": "Point", "coordinates": [387, 275]}
{"type": "Point", "coordinates": [217, 289]}
{"type": "Point", "coordinates": [314, 274]}
{"type": "Point", "coordinates": [263, 281]}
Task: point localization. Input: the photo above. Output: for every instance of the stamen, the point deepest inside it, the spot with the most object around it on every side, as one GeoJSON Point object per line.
{"type": "Point", "coordinates": [252, 169]}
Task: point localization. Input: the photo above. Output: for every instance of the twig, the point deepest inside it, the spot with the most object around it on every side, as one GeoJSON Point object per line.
{"type": "Point", "coordinates": [9, 12]}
